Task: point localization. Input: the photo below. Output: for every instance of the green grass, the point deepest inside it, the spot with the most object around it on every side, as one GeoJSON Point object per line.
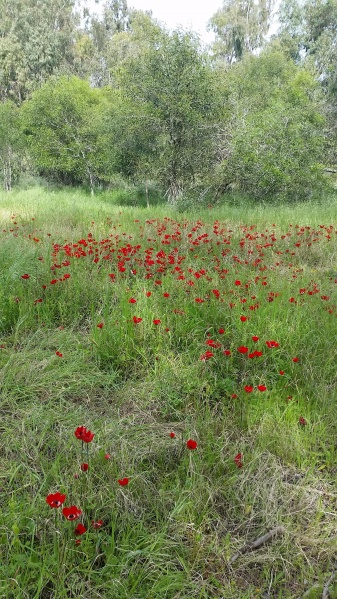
{"type": "Point", "coordinates": [170, 533]}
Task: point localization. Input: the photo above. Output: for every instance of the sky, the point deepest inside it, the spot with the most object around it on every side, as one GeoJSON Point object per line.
{"type": "Point", "coordinates": [191, 14]}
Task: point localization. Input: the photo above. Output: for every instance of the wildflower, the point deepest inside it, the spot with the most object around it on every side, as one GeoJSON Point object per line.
{"type": "Point", "coordinates": [96, 524]}
{"type": "Point", "coordinates": [234, 396]}
{"type": "Point", "coordinates": [84, 467]}
{"type": "Point", "coordinates": [227, 352]}
{"type": "Point", "coordinates": [80, 529]}
{"type": "Point", "coordinates": [137, 320]}
{"type": "Point", "coordinates": [249, 388]}
{"type": "Point", "coordinates": [53, 281]}
{"type": "Point", "coordinates": [59, 354]}
{"type": "Point", "coordinates": [255, 338]}
{"type": "Point", "coordinates": [25, 276]}
{"type": "Point", "coordinates": [123, 481]}
{"type": "Point", "coordinates": [272, 344]}
{"type": "Point", "coordinates": [206, 356]}
{"type": "Point", "coordinates": [132, 300]}
{"type": "Point", "coordinates": [55, 499]}
{"type": "Point", "coordinates": [295, 359]}
{"type": "Point", "coordinates": [243, 318]}
{"type": "Point", "coordinates": [242, 349]}
{"type": "Point", "coordinates": [172, 435]}
{"type": "Point", "coordinates": [100, 325]}
{"type": "Point", "coordinates": [87, 436]}
{"type": "Point", "coordinates": [262, 387]}
{"type": "Point", "coordinates": [281, 372]}
{"type": "Point", "coordinates": [238, 460]}
{"type": "Point", "coordinates": [107, 456]}
{"type": "Point", "coordinates": [156, 321]}
{"type": "Point", "coordinates": [221, 331]}
{"type": "Point", "coordinates": [79, 432]}
{"type": "Point", "coordinates": [302, 421]}
{"type": "Point", "coordinates": [237, 283]}
{"type": "Point", "coordinates": [72, 512]}
{"type": "Point", "coordinates": [191, 444]}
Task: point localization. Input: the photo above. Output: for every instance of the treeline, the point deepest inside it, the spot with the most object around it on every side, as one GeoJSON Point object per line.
{"type": "Point", "coordinates": [88, 101]}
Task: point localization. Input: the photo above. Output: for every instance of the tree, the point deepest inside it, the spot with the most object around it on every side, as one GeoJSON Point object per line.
{"type": "Point", "coordinates": [12, 145]}
{"type": "Point", "coordinates": [36, 41]}
{"type": "Point", "coordinates": [240, 27]}
{"type": "Point", "coordinates": [174, 88]}
{"type": "Point", "coordinates": [278, 129]}
{"type": "Point", "coordinates": [64, 125]}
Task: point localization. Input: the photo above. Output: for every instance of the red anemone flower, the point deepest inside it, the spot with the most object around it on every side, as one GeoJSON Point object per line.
{"type": "Point", "coordinates": [72, 512]}
{"type": "Point", "coordinates": [84, 467]}
{"type": "Point", "coordinates": [191, 444]}
{"type": "Point", "coordinates": [255, 338]}
{"type": "Point", "coordinates": [100, 325]}
{"type": "Point", "coordinates": [156, 321]}
{"type": "Point", "coordinates": [249, 388]}
{"type": "Point", "coordinates": [80, 431]}
{"type": "Point", "coordinates": [80, 529]}
{"type": "Point", "coordinates": [302, 421]}
{"type": "Point", "coordinates": [107, 456]}
{"type": "Point", "coordinates": [295, 359]}
{"type": "Point", "coordinates": [262, 387]}
{"type": "Point", "coordinates": [243, 318]}
{"type": "Point", "coordinates": [25, 276]}
{"type": "Point", "coordinates": [96, 524]}
{"type": "Point", "coordinates": [238, 460]}
{"type": "Point", "coordinates": [137, 320]}
{"type": "Point", "coordinates": [87, 436]}
{"type": "Point", "coordinates": [55, 499]}
{"type": "Point", "coordinates": [123, 481]}
{"type": "Point", "coordinates": [242, 349]}
{"type": "Point", "coordinates": [172, 435]}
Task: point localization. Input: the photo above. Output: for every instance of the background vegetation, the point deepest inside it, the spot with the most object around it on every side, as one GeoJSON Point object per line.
{"type": "Point", "coordinates": [94, 102]}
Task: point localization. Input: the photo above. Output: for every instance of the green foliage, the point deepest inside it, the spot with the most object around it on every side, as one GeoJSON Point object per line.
{"type": "Point", "coordinates": [278, 143]}
{"type": "Point", "coordinates": [36, 42]}
{"type": "Point", "coordinates": [240, 27]}
{"type": "Point", "coordinates": [173, 90]}
{"type": "Point", "coordinates": [64, 125]}
{"type": "Point", "coordinates": [12, 145]}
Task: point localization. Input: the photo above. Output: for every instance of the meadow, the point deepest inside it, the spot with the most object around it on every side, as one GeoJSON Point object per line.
{"type": "Point", "coordinates": [198, 350]}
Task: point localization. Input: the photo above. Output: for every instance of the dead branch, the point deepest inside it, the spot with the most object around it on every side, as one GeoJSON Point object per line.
{"type": "Point", "coordinates": [257, 543]}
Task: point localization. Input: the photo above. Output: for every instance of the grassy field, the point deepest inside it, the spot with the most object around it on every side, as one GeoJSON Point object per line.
{"type": "Point", "coordinates": [153, 328]}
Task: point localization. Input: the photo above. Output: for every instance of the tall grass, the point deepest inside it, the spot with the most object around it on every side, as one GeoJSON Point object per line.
{"type": "Point", "coordinates": [171, 531]}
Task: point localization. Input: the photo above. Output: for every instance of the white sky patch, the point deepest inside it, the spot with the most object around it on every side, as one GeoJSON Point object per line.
{"type": "Point", "coordinates": [189, 14]}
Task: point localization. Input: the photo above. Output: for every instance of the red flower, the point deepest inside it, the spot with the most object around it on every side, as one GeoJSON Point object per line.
{"type": "Point", "coordinates": [249, 388]}
{"type": "Point", "coordinates": [295, 359]}
{"type": "Point", "coordinates": [237, 460]}
{"type": "Point", "coordinates": [237, 283]}
{"type": "Point", "coordinates": [221, 331]}
{"type": "Point", "coordinates": [227, 352]}
{"type": "Point", "coordinates": [55, 499]}
{"type": "Point", "coordinates": [80, 431]}
{"type": "Point", "coordinates": [262, 387]}
{"type": "Point", "coordinates": [172, 435]}
{"type": "Point", "coordinates": [156, 321]}
{"type": "Point", "coordinates": [166, 294]}
{"type": "Point", "coordinates": [255, 338]}
{"type": "Point", "coordinates": [123, 481]}
{"type": "Point", "coordinates": [80, 529]}
{"type": "Point", "coordinates": [234, 396]}
{"type": "Point", "coordinates": [272, 344]}
{"type": "Point", "coordinates": [243, 318]}
{"type": "Point", "coordinates": [281, 372]}
{"type": "Point", "coordinates": [25, 276]}
{"type": "Point", "coordinates": [137, 320]}
{"type": "Point", "coordinates": [96, 524]}
{"type": "Point", "coordinates": [59, 354]}
{"type": "Point", "coordinates": [53, 281]}
{"type": "Point", "coordinates": [100, 325]}
{"type": "Point", "coordinates": [132, 300]}
{"type": "Point", "coordinates": [207, 355]}
{"type": "Point", "coordinates": [302, 421]}
{"type": "Point", "coordinates": [107, 456]}
{"type": "Point", "coordinates": [84, 467]}
{"type": "Point", "coordinates": [72, 512]}
{"type": "Point", "coordinates": [242, 349]}
{"type": "Point", "coordinates": [191, 444]}
{"type": "Point", "coordinates": [87, 436]}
